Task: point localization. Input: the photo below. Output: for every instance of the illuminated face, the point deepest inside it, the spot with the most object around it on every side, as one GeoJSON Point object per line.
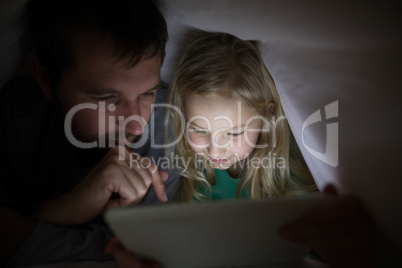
{"type": "Point", "coordinates": [126, 93]}
{"type": "Point", "coordinates": [222, 129]}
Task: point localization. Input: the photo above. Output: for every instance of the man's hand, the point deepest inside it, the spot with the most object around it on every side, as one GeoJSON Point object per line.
{"type": "Point", "coordinates": [339, 232]}
{"type": "Point", "coordinates": [113, 182]}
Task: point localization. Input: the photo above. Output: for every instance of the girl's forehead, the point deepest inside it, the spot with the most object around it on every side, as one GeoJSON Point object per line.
{"type": "Point", "coordinates": [213, 102]}
{"type": "Point", "coordinates": [214, 107]}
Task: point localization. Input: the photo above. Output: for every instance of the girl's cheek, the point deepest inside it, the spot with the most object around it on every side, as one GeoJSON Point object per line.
{"type": "Point", "coordinates": [243, 144]}
{"type": "Point", "coordinates": [250, 139]}
{"type": "Point", "coordinates": [197, 142]}
{"type": "Point", "coordinates": [246, 146]}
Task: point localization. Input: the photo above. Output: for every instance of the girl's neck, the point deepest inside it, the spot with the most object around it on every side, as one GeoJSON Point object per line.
{"type": "Point", "coordinates": [235, 170]}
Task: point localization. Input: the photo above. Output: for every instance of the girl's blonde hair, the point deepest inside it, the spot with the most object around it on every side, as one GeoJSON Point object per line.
{"type": "Point", "coordinates": [219, 62]}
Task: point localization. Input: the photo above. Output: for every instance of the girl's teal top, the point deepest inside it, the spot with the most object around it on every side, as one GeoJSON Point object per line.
{"type": "Point", "coordinates": [225, 186]}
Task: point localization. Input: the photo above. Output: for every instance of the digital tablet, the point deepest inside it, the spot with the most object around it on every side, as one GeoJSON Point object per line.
{"type": "Point", "coordinates": [218, 234]}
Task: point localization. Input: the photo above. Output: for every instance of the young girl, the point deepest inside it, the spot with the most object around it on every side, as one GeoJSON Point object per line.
{"type": "Point", "coordinates": [237, 142]}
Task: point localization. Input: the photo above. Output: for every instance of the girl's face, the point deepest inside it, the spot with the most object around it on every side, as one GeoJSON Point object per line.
{"type": "Point", "coordinates": [222, 129]}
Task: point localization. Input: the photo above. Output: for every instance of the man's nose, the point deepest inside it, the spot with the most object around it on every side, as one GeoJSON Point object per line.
{"type": "Point", "coordinates": [130, 119]}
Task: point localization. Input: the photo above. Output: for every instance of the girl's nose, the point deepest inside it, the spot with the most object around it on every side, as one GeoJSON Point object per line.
{"type": "Point", "coordinates": [216, 148]}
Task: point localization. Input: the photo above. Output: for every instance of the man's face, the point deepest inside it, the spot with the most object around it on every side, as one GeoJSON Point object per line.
{"type": "Point", "coordinates": [126, 93]}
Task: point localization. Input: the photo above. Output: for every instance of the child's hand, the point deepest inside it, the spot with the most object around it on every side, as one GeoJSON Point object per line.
{"type": "Point", "coordinates": [340, 232]}
{"type": "Point", "coordinates": [126, 259]}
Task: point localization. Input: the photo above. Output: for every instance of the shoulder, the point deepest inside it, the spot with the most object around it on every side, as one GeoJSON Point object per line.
{"type": "Point", "coordinates": [295, 153]}
{"type": "Point", "coordinates": [161, 94]}
{"type": "Point", "coordinates": [23, 112]}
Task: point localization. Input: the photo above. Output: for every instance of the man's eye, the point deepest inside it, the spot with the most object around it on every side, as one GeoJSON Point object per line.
{"type": "Point", "coordinates": [105, 98]}
{"type": "Point", "coordinates": [150, 94]}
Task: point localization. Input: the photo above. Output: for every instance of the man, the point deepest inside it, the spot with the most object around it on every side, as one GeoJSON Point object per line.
{"type": "Point", "coordinates": [97, 67]}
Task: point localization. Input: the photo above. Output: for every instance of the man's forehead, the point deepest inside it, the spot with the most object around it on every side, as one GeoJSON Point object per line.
{"type": "Point", "coordinates": [94, 43]}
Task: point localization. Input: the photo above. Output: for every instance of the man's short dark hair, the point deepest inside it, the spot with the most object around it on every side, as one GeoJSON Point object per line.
{"type": "Point", "coordinates": [134, 25]}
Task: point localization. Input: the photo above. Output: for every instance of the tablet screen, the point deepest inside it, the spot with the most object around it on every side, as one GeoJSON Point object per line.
{"type": "Point", "coordinates": [219, 234]}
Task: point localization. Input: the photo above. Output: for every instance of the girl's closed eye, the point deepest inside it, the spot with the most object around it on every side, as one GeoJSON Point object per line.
{"type": "Point", "coordinates": [199, 131]}
{"type": "Point", "coordinates": [235, 134]}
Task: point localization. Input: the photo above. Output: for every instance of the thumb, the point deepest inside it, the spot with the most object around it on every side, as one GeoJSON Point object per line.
{"type": "Point", "coordinates": [330, 189]}
{"type": "Point", "coordinates": [113, 246]}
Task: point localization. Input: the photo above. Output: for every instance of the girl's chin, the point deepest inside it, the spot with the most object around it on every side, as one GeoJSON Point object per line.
{"type": "Point", "coordinates": [221, 166]}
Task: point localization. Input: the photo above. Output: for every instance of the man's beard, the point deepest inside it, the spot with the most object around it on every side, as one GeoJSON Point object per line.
{"type": "Point", "coordinates": [89, 157]}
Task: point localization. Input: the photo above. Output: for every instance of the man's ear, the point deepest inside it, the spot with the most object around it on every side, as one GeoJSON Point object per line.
{"type": "Point", "coordinates": [41, 76]}
{"type": "Point", "coordinates": [271, 107]}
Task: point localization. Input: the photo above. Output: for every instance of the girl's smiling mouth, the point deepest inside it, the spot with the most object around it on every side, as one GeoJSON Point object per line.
{"type": "Point", "coordinates": [219, 161]}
